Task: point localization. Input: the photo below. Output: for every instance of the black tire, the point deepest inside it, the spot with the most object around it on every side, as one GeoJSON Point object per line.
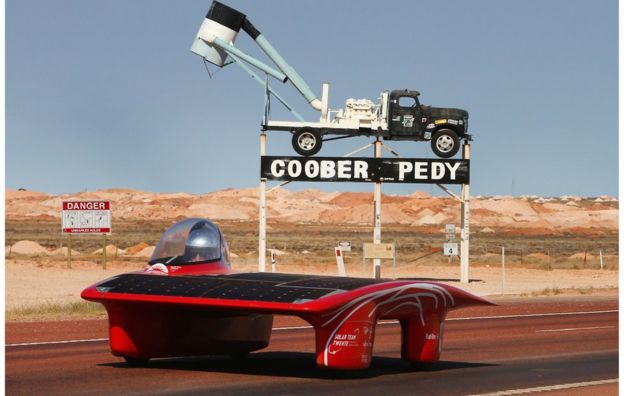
{"type": "Point", "coordinates": [239, 356]}
{"type": "Point", "coordinates": [307, 141]}
{"type": "Point", "coordinates": [136, 362]}
{"type": "Point", "coordinates": [445, 143]}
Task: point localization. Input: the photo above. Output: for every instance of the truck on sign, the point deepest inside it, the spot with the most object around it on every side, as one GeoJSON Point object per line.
{"type": "Point", "coordinates": [86, 217]}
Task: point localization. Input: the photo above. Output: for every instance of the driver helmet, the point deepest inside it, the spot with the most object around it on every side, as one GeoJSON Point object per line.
{"type": "Point", "coordinates": [202, 244]}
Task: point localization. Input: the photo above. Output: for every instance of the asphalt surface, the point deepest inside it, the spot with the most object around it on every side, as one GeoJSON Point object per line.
{"type": "Point", "coordinates": [539, 344]}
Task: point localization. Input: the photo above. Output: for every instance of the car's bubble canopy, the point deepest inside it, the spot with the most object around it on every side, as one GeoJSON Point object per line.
{"type": "Point", "coordinates": [189, 241]}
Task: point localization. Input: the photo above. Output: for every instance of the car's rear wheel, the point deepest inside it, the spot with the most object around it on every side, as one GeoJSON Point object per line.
{"type": "Point", "coordinates": [307, 141]}
{"type": "Point", "coordinates": [239, 356]}
{"type": "Point", "coordinates": [135, 361]}
{"type": "Point", "coordinates": [445, 143]}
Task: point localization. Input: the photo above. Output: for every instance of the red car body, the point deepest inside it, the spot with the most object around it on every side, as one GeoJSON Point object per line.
{"type": "Point", "coordinates": [205, 308]}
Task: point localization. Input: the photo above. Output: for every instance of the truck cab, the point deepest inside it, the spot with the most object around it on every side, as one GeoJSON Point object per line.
{"type": "Point", "coordinates": [410, 120]}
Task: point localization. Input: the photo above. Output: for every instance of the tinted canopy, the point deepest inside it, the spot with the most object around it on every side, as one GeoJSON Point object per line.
{"type": "Point", "coordinates": [187, 242]}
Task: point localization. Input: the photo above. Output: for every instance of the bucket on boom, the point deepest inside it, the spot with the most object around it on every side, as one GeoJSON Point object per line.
{"type": "Point", "coordinates": [223, 22]}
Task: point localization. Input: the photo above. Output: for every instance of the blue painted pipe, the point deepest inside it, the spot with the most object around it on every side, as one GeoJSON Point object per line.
{"type": "Point", "coordinates": [229, 48]}
{"type": "Point", "coordinates": [292, 74]}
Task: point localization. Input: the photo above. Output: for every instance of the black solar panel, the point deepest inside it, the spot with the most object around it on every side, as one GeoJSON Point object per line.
{"type": "Point", "coordinates": [268, 287]}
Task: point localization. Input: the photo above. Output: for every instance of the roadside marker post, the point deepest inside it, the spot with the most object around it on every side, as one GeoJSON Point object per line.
{"type": "Point", "coordinates": [273, 261]}
{"type": "Point", "coordinates": [340, 261]}
{"type": "Point", "coordinates": [601, 264]}
{"type": "Point", "coordinates": [503, 267]}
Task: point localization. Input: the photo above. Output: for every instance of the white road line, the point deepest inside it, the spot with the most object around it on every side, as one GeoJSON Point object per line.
{"type": "Point", "coordinates": [549, 388]}
{"type": "Point", "coordinates": [383, 322]}
{"type": "Point", "coordinates": [574, 329]}
{"type": "Point", "coordinates": [56, 342]}
{"type": "Point", "coordinates": [537, 315]}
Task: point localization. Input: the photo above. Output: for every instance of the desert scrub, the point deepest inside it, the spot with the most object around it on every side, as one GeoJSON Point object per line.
{"type": "Point", "coordinates": [547, 292]}
{"type": "Point", "coordinates": [83, 309]}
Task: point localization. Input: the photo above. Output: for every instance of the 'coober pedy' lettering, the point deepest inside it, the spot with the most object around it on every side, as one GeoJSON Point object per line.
{"type": "Point", "coordinates": [362, 169]}
{"type": "Point", "coordinates": [324, 169]}
{"type": "Point", "coordinates": [428, 170]}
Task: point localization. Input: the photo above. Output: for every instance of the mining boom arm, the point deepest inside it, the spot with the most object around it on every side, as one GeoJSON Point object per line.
{"type": "Point", "coordinates": [397, 115]}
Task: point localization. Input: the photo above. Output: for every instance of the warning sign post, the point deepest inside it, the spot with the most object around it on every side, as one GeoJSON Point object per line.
{"type": "Point", "coordinates": [86, 217]}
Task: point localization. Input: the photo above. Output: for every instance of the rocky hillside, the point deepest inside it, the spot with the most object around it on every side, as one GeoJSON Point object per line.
{"type": "Point", "coordinates": [523, 215]}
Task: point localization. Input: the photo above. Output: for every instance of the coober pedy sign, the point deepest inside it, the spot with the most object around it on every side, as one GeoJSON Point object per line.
{"type": "Point", "coordinates": [387, 170]}
{"type": "Point", "coordinates": [86, 217]}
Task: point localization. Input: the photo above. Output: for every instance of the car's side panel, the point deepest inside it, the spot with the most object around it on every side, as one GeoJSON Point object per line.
{"type": "Point", "coordinates": [151, 320]}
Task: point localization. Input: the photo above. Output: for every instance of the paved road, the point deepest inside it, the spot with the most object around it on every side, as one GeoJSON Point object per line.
{"type": "Point", "coordinates": [523, 343]}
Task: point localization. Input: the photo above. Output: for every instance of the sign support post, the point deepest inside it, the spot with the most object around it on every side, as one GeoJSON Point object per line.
{"type": "Point", "coordinates": [69, 249]}
{"type": "Point", "coordinates": [377, 211]}
{"type": "Point", "coordinates": [371, 170]}
{"type": "Point", "coordinates": [465, 224]}
{"type": "Point", "coordinates": [103, 251]}
{"type": "Point", "coordinates": [262, 220]}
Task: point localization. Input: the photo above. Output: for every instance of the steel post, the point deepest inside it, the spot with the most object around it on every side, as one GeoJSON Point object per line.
{"type": "Point", "coordinates": [465, 224]}
{"type": "Point", "coordinates": [103, 251]}
{"type": "Point", "coordinates": [377, 214]}
{"type": "Point", "coordinates": [262, 216]}
{"type": "Point", "coordinates": [69, 249]}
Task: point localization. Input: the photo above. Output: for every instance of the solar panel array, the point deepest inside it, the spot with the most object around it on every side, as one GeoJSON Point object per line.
{"type": "Point", "coordinates": [269, 287]}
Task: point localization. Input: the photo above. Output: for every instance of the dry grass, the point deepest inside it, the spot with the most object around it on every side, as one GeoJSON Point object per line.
{"type": "Point", "coordinates": [547, 292]}
{"type": "Point", "coordinates": [50, 311]}
{"type": "Point", "coordinates": [413, 243]}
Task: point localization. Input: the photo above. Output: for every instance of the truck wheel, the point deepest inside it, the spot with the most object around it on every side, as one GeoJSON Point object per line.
{"type": "Point", "coordinates": [136, 362]}
{"type": "Point", "coordinates": [307, 141]}
{"type": "Point", "coordinates": [445, 143]}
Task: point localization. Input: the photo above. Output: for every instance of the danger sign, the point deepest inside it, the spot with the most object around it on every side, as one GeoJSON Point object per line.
{"type": "Point", "coordinates": [86, 217]}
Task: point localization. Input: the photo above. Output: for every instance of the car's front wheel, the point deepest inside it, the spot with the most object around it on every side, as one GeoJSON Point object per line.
{"type": "Point", "coordinates": [307, 141]}
{"type": "Point", "coordinates": [445, 143]}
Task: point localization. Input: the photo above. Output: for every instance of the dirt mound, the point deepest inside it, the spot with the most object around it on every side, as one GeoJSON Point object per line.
{"type": "Point", "coordinates": [582, 256]}
{"type": "Point", "coordinates": [21, 194]}
{"type": "Point", "coordinates": [145, 253]}
{"type": "Point", "coordinates": [420, 194]}
{"type": "Point", "coordinates": [110, 250]}
{"type": "Point", "coordinates": [538, 256]}
{"type": "Point", "coordinates": [524, 215]}
{"type": "Point", "coordinates": [137, 248]}
{"type": "Point", "coordinates": [350, 199]}
{"type": "Point", "coordinates": [63, 252]}
{"type": "Point", "coordinates": [28, 248]}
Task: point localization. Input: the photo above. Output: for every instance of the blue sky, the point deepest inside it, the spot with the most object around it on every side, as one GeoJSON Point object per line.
{"type": "Point", "coordinates": [104, 94]}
